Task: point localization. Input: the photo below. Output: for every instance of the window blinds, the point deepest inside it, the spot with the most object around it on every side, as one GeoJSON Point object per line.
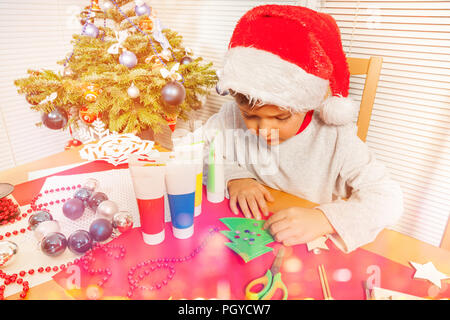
{"type": "Point", "coordinates": [6, 160]}
{"type": "Point", "coordinates": [33, 35]}
{"type": "Point", "coordinates": [409, 130]}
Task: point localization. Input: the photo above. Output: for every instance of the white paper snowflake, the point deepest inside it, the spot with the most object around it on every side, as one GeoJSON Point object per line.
{"type": "Point", "coordinates": [116, 149]}
{"type": "Point", "coordinates": [89, 133]}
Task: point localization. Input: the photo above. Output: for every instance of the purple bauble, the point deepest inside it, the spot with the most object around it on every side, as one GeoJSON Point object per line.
{"type": "Point", "coordinates": [220, 92]}
{"type": "Point", "coordinates": [96, 199]}
{"type": "Point", "coordinates": [100, 229]}
{"type": "Point", "coordinates": [173, 93]}
{"type": "Point", "coordinates": [55, 119]}
{"type": "Point", "coordinates": [90, 30]}
{"type": "Point", "coordinates": [37, 218]}
{"type": "Point", "coordinates": [83, 194]}
{"type": "Point", "coordinates": [79, 242]}
{"type": "Point", "coordinates": [54, 244]}
{"type": "Point", "coordinates": [186, 60]}
{"type": "Point", "coordinates": [128, 59]}
{"type": "Point", "coordinates": [73, 208]}
{"type": "Point", "coordinates": [143, 10]}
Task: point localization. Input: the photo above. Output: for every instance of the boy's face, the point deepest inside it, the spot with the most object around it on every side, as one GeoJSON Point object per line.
{"type": "Point", "coordinates": [262, 120]}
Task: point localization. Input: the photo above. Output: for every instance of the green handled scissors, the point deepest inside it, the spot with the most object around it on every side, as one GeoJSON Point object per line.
{"type": "Point", "coordinates": [271, 282]}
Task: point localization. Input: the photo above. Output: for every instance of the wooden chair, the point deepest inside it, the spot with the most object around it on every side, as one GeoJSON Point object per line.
{"type": "Point", "coordinates": [445, 242]}
{"type": "Point", "coordinates": [371, 68]}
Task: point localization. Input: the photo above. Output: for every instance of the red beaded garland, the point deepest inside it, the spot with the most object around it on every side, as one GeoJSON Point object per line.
{"type": "Point", "coordinates": [9, 215]}
{"type": "Point", "coordinates": [8, 210]}
{"type": "Point", "coordinates": [34, 207]}
{"type": "Point", "coordinates": [19, 279]}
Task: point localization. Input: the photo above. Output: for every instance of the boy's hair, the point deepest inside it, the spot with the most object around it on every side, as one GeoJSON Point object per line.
{"type": "Point", "coordinates": [245, 100]}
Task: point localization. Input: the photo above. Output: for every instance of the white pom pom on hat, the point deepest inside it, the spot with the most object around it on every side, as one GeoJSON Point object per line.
{"type": "Point", "coordinates": [290, 56]}
{"type": "Point", "coordinates": [338, 111]}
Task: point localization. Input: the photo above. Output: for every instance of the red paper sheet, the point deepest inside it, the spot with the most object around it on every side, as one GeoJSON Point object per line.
{"type": "Point", "coordinates": [217, 272]}
{"type": "Point", "coordinates": [23, 193]}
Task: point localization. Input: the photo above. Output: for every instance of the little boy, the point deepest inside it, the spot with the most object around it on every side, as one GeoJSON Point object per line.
{"type": "Point", "coordinates": [288, 74]}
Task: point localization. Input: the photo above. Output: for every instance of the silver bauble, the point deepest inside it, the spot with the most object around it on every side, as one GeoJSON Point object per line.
{"type": "Point", "coordinates": [5, 189]}
{"type": "Point", "coordinates": [133, 91]}
{"type": "Point", "coordinates": [173, 93]}
{"type": "Point", "coordinates": [90, 30]}
{"type": "Point", "coordinates": [8, 251]}
{"type": "Point", "coordinates": [128, 59]}
{"type": "Point", "coordinates": [186, 60]}
{"type": "Point", "coordinates": [55, 119]}
{"type": "Point", "coordinates": [142, 9]}
{"type": "Point", "coordinates": [221, 92]}
{"type": "Point", "coordinates": [107, 209]}
{"type": "Point", "coordinates": [46, 227]}
{"type": "Point", "coordinates": [122, 221]}
{"type": "Point", "coordinates": [107, 5]}
{"type": "Point", "coordinates": [91, 184]}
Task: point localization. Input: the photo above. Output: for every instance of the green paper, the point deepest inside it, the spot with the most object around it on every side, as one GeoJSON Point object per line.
{"type": "Point", "coordinates": [243, 247]}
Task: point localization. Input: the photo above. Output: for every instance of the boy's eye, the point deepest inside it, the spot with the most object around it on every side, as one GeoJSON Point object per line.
{"type": "Point", "coordinates": [283, 118]}
{"type": "Point", "coordinates": [247, 116]}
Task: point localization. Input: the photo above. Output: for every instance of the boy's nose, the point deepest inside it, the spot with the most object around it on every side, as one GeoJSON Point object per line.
{"type": "Point", "coordinates": [264, 128]}
{"type": "Point", "coordinates": [264, 132]}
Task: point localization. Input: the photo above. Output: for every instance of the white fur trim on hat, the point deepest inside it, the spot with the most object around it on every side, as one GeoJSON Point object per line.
{"type": "Point", "coordinates": [338, 111]}
{"type": "Point", "coordinates": [268, 78]}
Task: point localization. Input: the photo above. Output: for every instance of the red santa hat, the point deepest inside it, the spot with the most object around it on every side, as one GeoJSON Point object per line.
{"type": "Point", "coordinates": [288, 56]}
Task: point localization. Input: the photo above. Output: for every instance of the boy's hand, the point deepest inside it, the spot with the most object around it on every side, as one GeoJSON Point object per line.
{"type": "Point", "coordinates": [251, 196]}
{"type": "Point", "coordinates": [298, 225]}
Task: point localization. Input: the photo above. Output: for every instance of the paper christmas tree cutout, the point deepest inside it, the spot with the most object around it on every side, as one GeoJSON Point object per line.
{"type": "Point", "coordinates": [248, 238]}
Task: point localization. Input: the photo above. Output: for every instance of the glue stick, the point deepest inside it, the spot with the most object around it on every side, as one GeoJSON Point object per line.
{"type": "Point", "coordinates": [216, 184]}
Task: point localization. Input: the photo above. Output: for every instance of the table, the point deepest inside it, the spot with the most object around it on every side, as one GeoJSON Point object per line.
{"type": "Point", "coordinates": [390, 244]}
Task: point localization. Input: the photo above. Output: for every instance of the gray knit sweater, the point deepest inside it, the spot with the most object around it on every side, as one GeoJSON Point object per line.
{"type": "Point", "coordinates": [322, 164]}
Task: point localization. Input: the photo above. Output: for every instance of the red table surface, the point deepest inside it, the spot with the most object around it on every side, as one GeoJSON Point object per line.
{"type": "Point", "coordinates": [218, 272]}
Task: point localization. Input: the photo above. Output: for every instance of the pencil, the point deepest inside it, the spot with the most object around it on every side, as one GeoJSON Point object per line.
{"type": "Point", "coordinates": [324, 283]}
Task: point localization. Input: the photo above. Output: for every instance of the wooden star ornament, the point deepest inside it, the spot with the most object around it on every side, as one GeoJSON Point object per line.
{"type": "Point", "coordinates": [429, 272]}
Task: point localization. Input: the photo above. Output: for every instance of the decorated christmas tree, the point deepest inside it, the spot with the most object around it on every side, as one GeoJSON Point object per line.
{"type": "Point", "coordinates": [248, 238]}
{"type": "Point", "coordinates": [125, 70]}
